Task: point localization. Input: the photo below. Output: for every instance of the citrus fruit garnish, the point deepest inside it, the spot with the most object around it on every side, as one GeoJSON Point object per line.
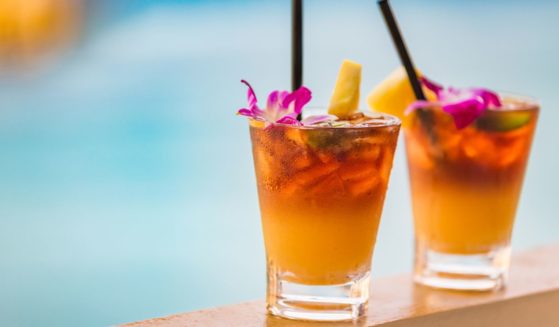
{"type": "Point", "coordinates": [345, 98]}
{"type": "Point", "coordinates": [394, 94]}
{"type": "Point", "coordinates": [496, 121]}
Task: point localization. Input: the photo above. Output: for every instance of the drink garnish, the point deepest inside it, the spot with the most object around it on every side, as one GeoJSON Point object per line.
{"type": "Point", "coordinates": [464, 105]}
{"type": "Point", "coordinates": [345, 98]}
{"type": "Point", "coordinates": [394, 94]}
{"type": "Point", "coordinates": [493, 122]}
{"type": "Point", "coordinates": [282, 107]}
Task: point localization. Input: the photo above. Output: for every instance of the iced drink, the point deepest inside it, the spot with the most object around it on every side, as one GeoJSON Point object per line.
{"type": "Point", "coordinates": [321, 192]}
{"type": "Point", "coordinates": [467, 152]}
{"type": "Point", "coordinates": [321, 177]}
{"type": "Point", "coordinates": [465, 187]}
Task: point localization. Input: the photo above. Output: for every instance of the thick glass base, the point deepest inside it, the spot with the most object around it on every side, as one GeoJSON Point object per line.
{"type": "Point", "coordinates": [318, 302]}
{"type": "Point", "coordinates": [473, 272]}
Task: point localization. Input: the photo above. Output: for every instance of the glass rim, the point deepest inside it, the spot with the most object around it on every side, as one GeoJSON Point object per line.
{"type": "Point", "coordinates": [526, 103]}
{"type": "Point", "coordinates": [530, 103]}
{"type": "Point", "coordinates": [384, 120]}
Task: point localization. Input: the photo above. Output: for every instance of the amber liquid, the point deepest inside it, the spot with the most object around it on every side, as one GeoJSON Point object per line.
{"type": "Point", "coordinates": [466, 183]}
{"type": "Point", "coordinates": [321, 193]}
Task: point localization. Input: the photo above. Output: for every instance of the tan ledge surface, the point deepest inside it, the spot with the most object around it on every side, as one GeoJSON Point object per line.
{"type": "Point", "coordinates": [531, 299]}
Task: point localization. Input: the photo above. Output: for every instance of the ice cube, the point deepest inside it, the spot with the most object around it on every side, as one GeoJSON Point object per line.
{"type": "Point", "coordinates": [364, 186]}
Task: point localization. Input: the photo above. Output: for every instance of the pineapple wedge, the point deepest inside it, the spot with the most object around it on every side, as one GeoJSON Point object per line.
{"type": "Point", "coordinates": [345, 98]}
{"type": "Point", "coordinates": [395, 94]}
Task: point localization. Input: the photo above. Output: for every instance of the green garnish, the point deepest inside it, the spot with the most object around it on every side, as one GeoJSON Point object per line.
{"type": "Point", "coordinates": [499, 121]}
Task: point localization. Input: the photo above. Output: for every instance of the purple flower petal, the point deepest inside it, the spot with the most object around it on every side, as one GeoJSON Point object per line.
{"type": "Point", "coordinates": [466, 112]}
{"type": "Point", "coordinates": [464, 105]}
{"type": "Point", "coordinates": [299, 98]}
{"type": "Point", "coordinates": [288, 120]}
{"type": "Point", "coordinates": [436, 88]}
{"type": "Point", "coordinates": [488, 97]}
{"type": "Point", "coordinates": [274, 107]}
{"type": "Point", "coordinates": [273, 99]}
{"type": "Point", "coordinates": [282, 106]}
{"type": "Point", "coordinates": [251, 96]}
{"type": "Point", "coordinates": [245, 112]}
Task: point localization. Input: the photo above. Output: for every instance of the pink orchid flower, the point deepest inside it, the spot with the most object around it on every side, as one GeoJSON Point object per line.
{"type": "Point", "coordinates": [464, 105]}
{"type": "Point", "coordinates": [282, 107]}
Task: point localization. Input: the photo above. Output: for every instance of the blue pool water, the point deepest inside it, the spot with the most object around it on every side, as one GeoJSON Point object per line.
{"type": "Point", "coordinates": [126, 183]}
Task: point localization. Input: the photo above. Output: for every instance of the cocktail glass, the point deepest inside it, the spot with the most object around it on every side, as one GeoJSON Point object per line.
{"type": "Point", "coordinates": [321, 192]}
{"type": "Point", "coordinates": [465, 187]}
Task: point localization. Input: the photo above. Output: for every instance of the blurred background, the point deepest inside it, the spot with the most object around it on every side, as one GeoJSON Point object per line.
{"type": "Point", "coordinates": [126, 182]}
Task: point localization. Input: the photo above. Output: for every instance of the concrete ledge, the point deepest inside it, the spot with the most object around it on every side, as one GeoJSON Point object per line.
{"type": "Point", "coordinates": [531, 299]}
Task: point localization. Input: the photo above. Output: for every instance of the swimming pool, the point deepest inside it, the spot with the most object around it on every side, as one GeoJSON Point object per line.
{"type": "Point", "coordinates": [126, 183]}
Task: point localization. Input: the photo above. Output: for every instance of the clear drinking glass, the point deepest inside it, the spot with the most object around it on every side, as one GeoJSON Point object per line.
{"type": "Point", "coordinates": [465, 187]}
{"type": "Point", "coordinates": [321, 192]}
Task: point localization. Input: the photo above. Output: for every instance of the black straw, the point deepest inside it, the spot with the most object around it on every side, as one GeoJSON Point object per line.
{"type": "Point", "coordinates": [425, 117]}
{"type": "Point", "coordinates": [296, 44]}
{"type": "Point", "coordinates": [401, 48]}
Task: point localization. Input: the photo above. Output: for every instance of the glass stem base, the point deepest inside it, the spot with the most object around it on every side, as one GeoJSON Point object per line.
{"type": "Point", "coordinates": [318, 302]}
{"type": "Point", "coordinates": [472, 272]}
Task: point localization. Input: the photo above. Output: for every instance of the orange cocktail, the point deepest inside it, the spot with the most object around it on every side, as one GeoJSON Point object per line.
{"type": "Point", "coordinates": [465, 186]}
{"type": "Point", "coordinates": [321, 191]}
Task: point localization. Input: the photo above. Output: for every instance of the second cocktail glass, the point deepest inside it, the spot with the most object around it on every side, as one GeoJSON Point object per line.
{"type": "Point", "coordinates": [465, 187]}
{"type": "Point", "coordinates": [321, 192]}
